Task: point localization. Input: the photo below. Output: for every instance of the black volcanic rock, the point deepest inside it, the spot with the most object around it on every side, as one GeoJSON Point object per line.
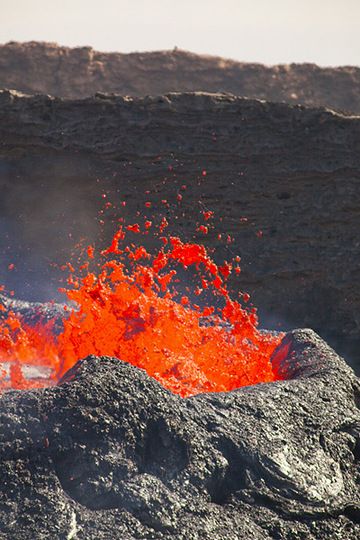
{"type": "Point", "coordinates": [48, 68]}
{"type": "Point", "coordinates": [109, 453]}
{"type": "Point", "coordinates": [292, 172]}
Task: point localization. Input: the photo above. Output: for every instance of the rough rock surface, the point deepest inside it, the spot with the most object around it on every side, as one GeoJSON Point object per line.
{"type": "Point", "coordinates": [292, 172]}
{"type": "Point", "coordinates": [47, 68]}
{"type": "Point", "coordinates": [109, 453]}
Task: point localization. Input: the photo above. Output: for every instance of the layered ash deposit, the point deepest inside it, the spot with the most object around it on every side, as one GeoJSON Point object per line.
{"type": "Point", "coordinates": [109, 453]}
{"type": "Point", "coordinates": [282, 180]}
{"type": "Point", "coordinates": [47, 68]}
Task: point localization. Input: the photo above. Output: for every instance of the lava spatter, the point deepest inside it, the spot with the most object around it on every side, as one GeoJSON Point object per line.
{"type": "Point", "coordinates": [132, 307]}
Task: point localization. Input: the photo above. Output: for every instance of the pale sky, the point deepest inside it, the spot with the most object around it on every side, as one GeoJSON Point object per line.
{"type": "Point", "coordinates": [326, 32]}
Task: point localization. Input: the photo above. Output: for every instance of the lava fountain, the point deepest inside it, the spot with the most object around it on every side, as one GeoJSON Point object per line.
{"type": "Point", "coordinates": [132, 306]}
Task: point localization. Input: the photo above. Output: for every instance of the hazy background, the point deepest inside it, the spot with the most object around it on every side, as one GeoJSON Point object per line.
{"type": "Point", "coordinates": [326, 32]}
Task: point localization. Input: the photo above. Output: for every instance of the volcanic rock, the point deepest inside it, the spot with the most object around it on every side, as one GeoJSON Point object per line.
{"type": "Point", "coordinates": [109, 453]}
{"type": "Point", "coordinates": [282, 181]}
{"type": "Point", "coordinates": [47, 68]}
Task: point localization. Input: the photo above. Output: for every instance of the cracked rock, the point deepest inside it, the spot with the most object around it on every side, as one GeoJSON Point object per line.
{"type": "Point", "coordinates": [109, 453]}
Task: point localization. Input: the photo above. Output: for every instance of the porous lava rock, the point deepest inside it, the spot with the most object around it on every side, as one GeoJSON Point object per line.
{"type": "Point", "coordinates": [47, 68]}
{"type": "Point", "coordinates": [109, 453]}
{"type": "Point", "coordinates": [282, 180]}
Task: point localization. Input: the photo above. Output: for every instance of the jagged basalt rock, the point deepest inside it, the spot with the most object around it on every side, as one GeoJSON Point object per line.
{"type": "Point", "coordinates": [48, 68]}
{"type": "Point", "coordinates": [109, 453]}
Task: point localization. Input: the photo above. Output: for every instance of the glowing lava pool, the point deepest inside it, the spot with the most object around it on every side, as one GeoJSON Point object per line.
{"type": "Point", "coordinates": [133, 306]}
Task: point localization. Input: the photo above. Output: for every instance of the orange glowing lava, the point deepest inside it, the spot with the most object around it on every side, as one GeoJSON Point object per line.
{"type": "Point", "coordinates": [130, 308]}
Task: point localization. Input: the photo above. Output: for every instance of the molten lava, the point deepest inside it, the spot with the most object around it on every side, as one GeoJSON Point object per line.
{"type": "Point", "coordinates": [130, 308]}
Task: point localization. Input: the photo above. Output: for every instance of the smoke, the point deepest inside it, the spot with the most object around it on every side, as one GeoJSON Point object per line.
{"type": "Point", "coordinates": [48, 205]}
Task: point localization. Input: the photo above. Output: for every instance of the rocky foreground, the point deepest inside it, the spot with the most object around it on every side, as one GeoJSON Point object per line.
{"type": "Point", "coordinates": [282, 180]}
{"type": "Point", "coordinates": [48, 68]}
{"type": "Point", "coordinates": [108, 453]}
